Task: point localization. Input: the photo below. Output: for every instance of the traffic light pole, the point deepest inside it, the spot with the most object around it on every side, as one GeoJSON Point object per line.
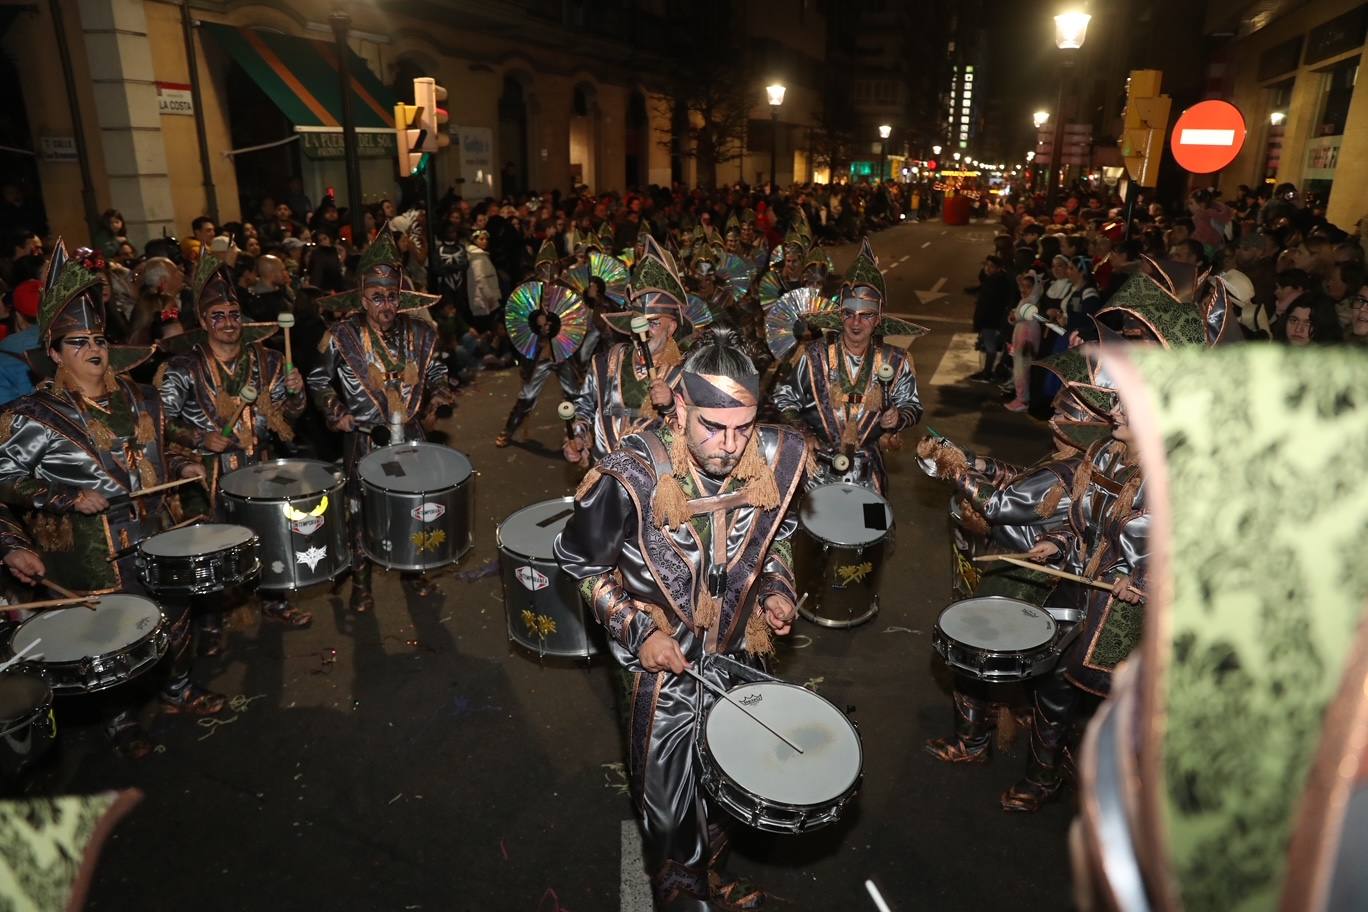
{"type": "Point", "coordinates": [430, 190]}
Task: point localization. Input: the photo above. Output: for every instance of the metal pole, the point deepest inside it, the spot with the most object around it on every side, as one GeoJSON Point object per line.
{"type": "Point", "coordinates": [430, 184]}
{"type": "Point", "coordinates": [341, 24]}
{"type": "Point", "coordinates": [883, 159]}
{"type": "Point", "coordinates": [92, 214]}
{"type": "Point", "coordinates": [774, 147]}
{"type": "Point", "coordinates": [210, 192]}
{"type": "Point", "coordinates": [1057, 153]}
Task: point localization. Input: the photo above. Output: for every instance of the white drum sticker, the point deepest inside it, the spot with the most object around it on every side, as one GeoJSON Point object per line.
{"type": "Point", "coordinates": [311, 556]}
{"type": "Point", "coordinates": [308, 525]}
{"type": "Point", "coordinates": [532, 578]}
{"type": "Point", "coordinates": [428, 512]}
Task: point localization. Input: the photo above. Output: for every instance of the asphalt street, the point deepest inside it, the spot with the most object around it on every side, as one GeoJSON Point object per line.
{"type": "Point", "coordinates": [413, 760]}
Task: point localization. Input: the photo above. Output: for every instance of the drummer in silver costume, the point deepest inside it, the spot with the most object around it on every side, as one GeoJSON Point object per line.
{"type": "Point", "coordinates": [618, 395]}
{"type": "Point", "coordinates": [680, 539]}
{"type": "Point", "coordinates": [72, 453]}
{"type": "Point", "coordinates": [201, 392]}
{"type": "Point", "coordinates": [378, 367]}
{"type": "Point", "coordinates": [833, 391]}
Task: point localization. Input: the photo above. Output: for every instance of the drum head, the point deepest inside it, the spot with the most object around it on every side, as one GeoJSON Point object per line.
{"type": "Point", "coordinates": [846, 514]}
{"type": "Point", "coordinates": [415, 468]}
{"type": "Point", "coordinates": [281, 479]}
{"type": "Point", "coordinates": [71, 634]}
{"type": "Point", "coordinates": [759, 762]}
{"type": "Point", "coordinates": [205, 538]}
{"type": "Point", "coordinates": [997, 623]}
{"type": "Point", "coordinates": [531, 531]}
{"type": "Point", "coordinates": [21, 693]}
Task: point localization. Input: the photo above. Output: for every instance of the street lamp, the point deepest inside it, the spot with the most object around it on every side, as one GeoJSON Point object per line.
{"type": "Point", "coordinates": [935, 150]}
{"type": "Point", "coordinates": [341, 24]}
{"type": "Point", "coordinates": [775, 93]}
{"type": "Point", "coordinates": [957, 156]}
{"type": "Point", "coordinates": [1277, 118]}
{"type": "Point", "coordinates": [1040, 118]}
{"type": "Point", "coordinates": [885, 131]}
{"type": "Point", "coordinates": [1071, 29]}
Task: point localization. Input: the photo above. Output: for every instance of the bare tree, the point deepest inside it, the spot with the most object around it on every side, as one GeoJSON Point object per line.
{"type": "Point", "coordinates": [709, 103]}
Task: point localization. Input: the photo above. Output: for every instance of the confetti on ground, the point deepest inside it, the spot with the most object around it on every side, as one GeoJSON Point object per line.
{"type": "Point", "coordinates": [488, 568]}
{"type": "Point", "coordinates": [899, 630]}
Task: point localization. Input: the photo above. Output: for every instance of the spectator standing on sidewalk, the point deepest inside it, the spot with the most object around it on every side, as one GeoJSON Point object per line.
{"type": "Point", "coordinates": [994, 299]}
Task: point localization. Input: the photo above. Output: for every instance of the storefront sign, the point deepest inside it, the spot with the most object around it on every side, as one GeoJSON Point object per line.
{"type": "Point", "coordinates": [174, 98]}
{"type": "Point", "coordinates": [57, 148]}
{"type": "Point", "coordinates": [1322, 155]}
{"type": "Point", "coordinates": [475, 145]}
{"type": "Point", "coordinates": [1343, 33]}
{"type": "Point", "coordinates": [329, 145]}
{"type": "Point", "coordinates": [1279, 59]}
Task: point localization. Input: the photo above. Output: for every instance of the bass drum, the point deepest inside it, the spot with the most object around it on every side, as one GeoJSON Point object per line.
{"type": "Point", "coordinates": [418, 505]}
{"type": "Point", "coordinates": [839, 557]}
{"type": "Point", "coordinates": [295, 506]}
{"type": "Point", "coordinates": [545, 612]}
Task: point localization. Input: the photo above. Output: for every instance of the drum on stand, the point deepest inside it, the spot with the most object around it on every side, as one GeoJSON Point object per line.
{"type": "Point", "coordinates": [27, 725]}
{"type": "Point", "coordinates": [295, 507]}
{"type": "Point", "coordinates": [765, 783]}
{"type": "Point", "coordinates": [1000, 640]}
{"type": "Point", "coordinates": [418, 505]}
{"type": "Point", "coordinates": [840, 555]}
{"type": "Point", "coordinates": [198, 560]}
{"type": "Point", "coordinates": [83, 651]}
{"type": "Point", "coordinates": [545, 612]}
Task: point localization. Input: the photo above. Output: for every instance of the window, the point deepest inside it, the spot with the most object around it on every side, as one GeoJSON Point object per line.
{"type": "Point", "coordinates": [1336, 92]}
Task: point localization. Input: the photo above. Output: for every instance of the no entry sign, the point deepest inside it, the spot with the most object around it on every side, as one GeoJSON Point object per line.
{"type": "Point", "coordinates": [1208, 136]}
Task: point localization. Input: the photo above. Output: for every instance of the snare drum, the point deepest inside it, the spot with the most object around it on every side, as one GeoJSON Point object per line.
{"type": "Point", "coordinates": [418, 505]}
{"type": "Point", "coordinates": [839, 557]}
{"type": "Point", "coordinates": [198, 560]}
{"type": "Point", "coordinates": [545, 612]}
{"type": "Point", "coordinates": [27, 725]}
{"type": "Point", "coordinates": [295, 506]}
{"type": "Point", "coordinates": [762, 781]}
{"type": "Point", "coordinates": [997, 639]}
{"type": "Point", "coordinates": [85, 651]}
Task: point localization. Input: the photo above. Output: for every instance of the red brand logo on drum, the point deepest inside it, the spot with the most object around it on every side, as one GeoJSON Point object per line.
{"type": "Point", "coordinates": [428, 512]}
{"type": "Point", "coordinates": [308, 525]}
{"type": "Point", "coordinates": [532, 578]}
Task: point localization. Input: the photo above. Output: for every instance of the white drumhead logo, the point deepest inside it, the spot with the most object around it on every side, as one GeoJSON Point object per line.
{"type": "Point", "coordinates": [428, 512]}
{"type": "Point", "coordinates": [532, 578]}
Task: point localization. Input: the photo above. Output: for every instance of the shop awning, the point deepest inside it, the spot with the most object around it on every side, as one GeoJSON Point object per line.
{"type": "Point", "coordinates": [302, 78]}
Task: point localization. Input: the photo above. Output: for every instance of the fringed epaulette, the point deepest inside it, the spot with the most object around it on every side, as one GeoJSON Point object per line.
{"type": "Point", "coordinates": [160, 376]}
{"type": "Point", "coordinates": [669, 504]}
{"type": "Point", "coordinates": [657, 614]}
{"type": "Point", "coordinates": [1080, 481]}
{"type": "Point", "coordinates": [1047, 507]}
{"type": "Point", "coordinates": [275, 420]}
{"type": "Point", "coordinates": [410, 376]}
{"type": "Point", "coordinates": [147, 474]}
{"type": "Point", "coordinates": [810, 466]}
{"type": "Point", "coordinates": [100, 434]}
{"type": "Point", "coordinates": [758, 639]}
{"type": "Point", "coordinates": [377, 376]}
{"type": "Point", "coordinates": [760, 489]}
{"type": "Point", "coordinates": [1126, 499]}
{"type": "Point", "coordinates": [706, 611]}
{"type": "Point", "coordinates": [972, 520]}
{"type": "Point", "coordinates": [145, 432]}
{"type": "Point", "coordinates": [6, 427]}
{"type": "Point", "coordinates": [224, 405]}
{"type": "Point", "coordinates": [587, 483]}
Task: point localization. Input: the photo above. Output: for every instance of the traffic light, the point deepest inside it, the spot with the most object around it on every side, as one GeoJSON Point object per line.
{"type": "Point", "coordinates": [1146, 124]}
{"type": "Point", "coordinates": [428, 95]}
{"type": "Point", "coordinates": [409, 138]}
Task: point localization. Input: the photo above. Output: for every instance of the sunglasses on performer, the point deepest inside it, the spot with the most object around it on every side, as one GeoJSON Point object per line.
{"type": "Point", "coordinates": [80, 342]}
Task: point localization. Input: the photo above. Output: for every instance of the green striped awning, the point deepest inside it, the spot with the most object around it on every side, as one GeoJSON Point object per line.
{"type": "Point", "coordinates": [302, 77]}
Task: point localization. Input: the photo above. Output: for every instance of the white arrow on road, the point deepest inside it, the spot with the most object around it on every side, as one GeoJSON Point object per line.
{"type": "Point", "coordinates": [935, 294]}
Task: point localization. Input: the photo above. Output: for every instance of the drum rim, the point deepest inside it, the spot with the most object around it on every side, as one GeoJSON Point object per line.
{"type": "Point", "coordinates": [339, 480]}
{"type": "Point", "coordinates": [151, 634]}
{"type": "Point", "coordinates": [498, 530]}
{"type": "Point", "coordinates": [1048, 644]}
{"type": "Point", "coordinates": [32, 670]}
{"type": "Point", "coordinates": [253, 541]}
{"type": "Point", "coordinates": [701, 744]}
{"type": "Point", "coordinates": [414, 445]}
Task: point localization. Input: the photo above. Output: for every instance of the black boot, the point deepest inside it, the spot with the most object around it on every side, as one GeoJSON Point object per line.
{"type": "Point", "coordinates": [1055, 701]}
{"type": "Point", "coordinates": [521, 409]}
{"type": "Point", "coordinates": [973, 732]}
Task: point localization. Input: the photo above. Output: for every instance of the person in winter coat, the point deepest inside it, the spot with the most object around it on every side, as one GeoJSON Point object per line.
{"type": "Point", "coordinates": [995, 298]}
{"type": "Point", "coordinates": [482, 280]}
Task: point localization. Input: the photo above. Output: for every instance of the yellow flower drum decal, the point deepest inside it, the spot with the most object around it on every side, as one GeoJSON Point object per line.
{"type": "Point", "coordinates": [854, 573]}
{"type": "Point", "coordinates": [540, 626]}
{"type": "Point", "coordinates": [428, 541]}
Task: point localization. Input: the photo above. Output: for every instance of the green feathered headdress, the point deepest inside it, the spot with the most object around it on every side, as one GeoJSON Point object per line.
{"type": "Point", "coordinates": [864, 272]}
{"type": "Point", "coordinates": [71, 300]}
{"type": "Point", "coordinates": [656, 272]}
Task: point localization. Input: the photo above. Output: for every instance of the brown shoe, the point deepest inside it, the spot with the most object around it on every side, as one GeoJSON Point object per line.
{"type": "Point", "coordinates": [362, 601]}
{"type": "Point", "coordinates": [285, 613]}
{"type": "Point", "coordinates": [953, 750]}
{"type": "Point", "coordinates": [734, 894]}
{"type": "Point", "coordinates": [193, 700]}
{"type": "Point", "coordinates": [503, 440]}
{"type": "Point", "coordinates": [1028, 796]}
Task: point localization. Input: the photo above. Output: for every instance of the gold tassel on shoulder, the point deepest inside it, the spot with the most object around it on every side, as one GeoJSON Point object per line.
{"type": "Point", "coordinates": [62, 380]}
{"type": "Point", "coordinates": [146, 431]}
{"type": "Point", "coordinates": [410, 377]}
{"type": "Point", "coordinates": [325, 342]}
{"type": "Point", "coordinates": [160, 376]}
{"type": "Point", "coordinates": [587, 483]}
{"type": "Point", "coordinates": [758, 639]}
{"type": "Point", "coordinates": [760, 490]}
{"type": "Point", "coordinates": [706, 611]}
{"type": "Point", "coordinates": [110, 384]}
{"type": "Point", "coordinates": [669, 505]}
{"type": "Point", "coordinates": [147, 473]}
{"type": "Point", "coordinates": [6, 427]}
{"type": "Point", "coordinates": [657, 614]}
{"type": "Point", "coordinates": [100, 433]}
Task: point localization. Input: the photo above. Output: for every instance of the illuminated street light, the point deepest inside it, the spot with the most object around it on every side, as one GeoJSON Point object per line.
{"type": "Point", "coordinates": [1030, 156]}
{"type": "Point", "coordinates": [1071, 29]}
{"type": "Point", "coordinates": [885, 131]}
{"type": "Point", "coordinates": [935, 150]}
{"type": "Point", "coordinates": [1277, 118]}
{"type": "Point", "coordinates": [957, 156]}
{"type": "Point", "coordinates": [1040, 118]}
{"type": "Point", "coordinates": [775, 93]}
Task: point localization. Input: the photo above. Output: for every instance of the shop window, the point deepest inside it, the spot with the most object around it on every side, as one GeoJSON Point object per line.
{"type": "Point", "coordinates": [1338, 91]}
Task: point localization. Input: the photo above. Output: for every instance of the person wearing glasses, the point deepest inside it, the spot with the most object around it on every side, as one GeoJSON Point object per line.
{"type": "Point", "coordinates": [201, 392]}
{"type": "Point", "coordinates": [834, 391]}
{"type": "Point", "coordinates": [72, 455]}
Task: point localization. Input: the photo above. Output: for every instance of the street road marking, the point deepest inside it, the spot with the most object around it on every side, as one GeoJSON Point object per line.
{"type": "Point", "coordinates": [935, 293]}
{"type": "Point", "coordinates": [904, 258]}
{"type": "Point", "coordinates": [893, 265]}
{"type": "Point", "coordinates": [636, 886]}
{"type": "Point", "coordinates": [1190, 137]}
{"type": "Point", "coordinates": [929, 318]}
{"type": "Point", "coordinates": [960, 360]}
{"type": "Point", "coordinates": [927, 244]}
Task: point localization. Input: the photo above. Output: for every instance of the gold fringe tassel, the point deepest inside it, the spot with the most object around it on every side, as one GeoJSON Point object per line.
{"type": "Point", "coordinates": [160, 376]}
{"type": "Point", "coordinates": [6, 427]}
{"type": "Point", "coordinates": [972, 520]}
{"type": "Point", "coordinates": [587, 483]}
{"type": "Point", "coordinates": [147, 473]}
{"type": "Point", "coordinates": [275, 420]}
{"type": "Point", "coordinates": [325, 342]}
{"type": "Point", "coordinates": [110, 384]}
{"type": "Point", "coordinates": [758, 639]}
{"type": "Point", "coordinates": [1046, 508]}
{"type": "Point", "coordinates": [658, 615]}
{"type": "Point", "coordinates": [760, 490]}
{"type": "Point", "coordinates": [101, 434]}
{"type": "Point", "coordinates": [53, 534]}
{"type": "Point", "coordinates": [707, 611]}
{"type": "Point", "coordinates": [669, 505]}
{"type": "Point", "coordinates": [410, 376]}
{"type": "Point", "coordinates": [224, 406]}
{"type": "Point", "coordinates": [146, 431]}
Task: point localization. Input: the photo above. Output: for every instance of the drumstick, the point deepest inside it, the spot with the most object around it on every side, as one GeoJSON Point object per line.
{"type": "Point", "coordinates": [1050, 571]}
{"type": "Point", "coordinates": [54, 603]}
{"type": "Point", "coordinates": [285, 320]}
{"type": "Point", "coordinates": [726, 696]}
{"type": "Point", "coordinates": [248, 395]}
{"type": "Point", "coordinates": [65, 592]}
{"type": "Point", "coordinates": [875, 895]}
{"type": "Point", "coordinates": [163, 486]}
{"type": "Point", "coordinates": [641, 328]}
{"type": "Point", "coordinates": [566, 410]}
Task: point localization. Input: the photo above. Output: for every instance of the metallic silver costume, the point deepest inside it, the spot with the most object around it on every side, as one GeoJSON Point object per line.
{"type": "Point", "coordinates": [611, 401]}
{"type": "Point", "coordinates": [640, 578]}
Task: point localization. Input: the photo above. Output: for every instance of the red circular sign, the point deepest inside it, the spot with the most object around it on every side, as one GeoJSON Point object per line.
{"type": "Point", "coordinates": [1208, 136]}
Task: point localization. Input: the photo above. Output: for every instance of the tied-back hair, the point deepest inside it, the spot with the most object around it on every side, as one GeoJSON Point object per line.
{"type": "Point", "coordinates": [718, 352]}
